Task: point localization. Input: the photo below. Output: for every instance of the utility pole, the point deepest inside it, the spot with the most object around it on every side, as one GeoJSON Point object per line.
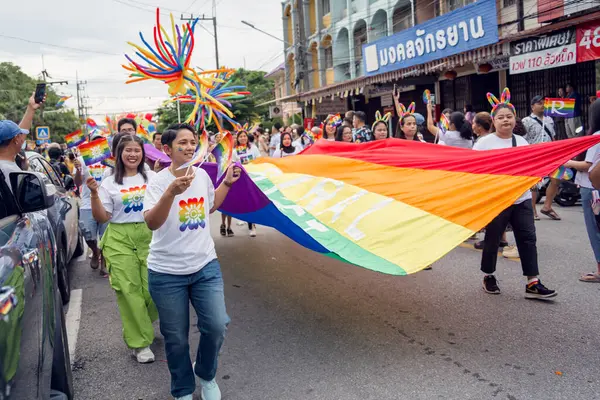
{"type": "Point", "coordinates": [82, 107]}
{"type": "Point", "coordinates": [45, 76]}
{"type": "Point", "coordinates": [214, 21]}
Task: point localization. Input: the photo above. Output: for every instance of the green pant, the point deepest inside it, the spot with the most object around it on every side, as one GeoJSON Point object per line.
{"type": "Point", "coordinates": [125, 248]}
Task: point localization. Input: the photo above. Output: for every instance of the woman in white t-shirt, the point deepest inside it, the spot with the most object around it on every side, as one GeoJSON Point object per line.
{"type": "Point", "coordinates": [459, 133]}
{"type": "Point", "coordinates": [519, 214]}
{"type": "Point", "coordinates": [125, 243]}
{"type": "Point", "coordinates": [286, 148]}
{"type": "Point", "coordinates": [244, 152]}
{"type": "Point", "coordinates": [183, 265]}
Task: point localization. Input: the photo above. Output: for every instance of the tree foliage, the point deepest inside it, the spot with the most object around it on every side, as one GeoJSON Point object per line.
{"type": "Point", "coordinates": [16, 88]}
{"type": "Point", "coordinates": [246, 110]}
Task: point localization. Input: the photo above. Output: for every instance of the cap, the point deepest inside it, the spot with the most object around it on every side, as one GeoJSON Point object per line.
{"type": "Point", "coordinates": [9, 130]}
{"type": "Point", "coordinates": [537, 99]}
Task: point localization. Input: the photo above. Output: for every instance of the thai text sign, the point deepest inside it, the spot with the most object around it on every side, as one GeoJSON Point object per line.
{"type": "Point", "coordinates": [467, 28]}
{"type": "Point", "coordinates": [545, 59]}
{"type": "Point", "coordinates": [588, 42]}
{"type": "Point", "coordinates": [556, 39]}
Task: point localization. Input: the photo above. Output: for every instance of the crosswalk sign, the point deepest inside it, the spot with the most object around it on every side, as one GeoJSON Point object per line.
{"type": "Point", "coordinates": [42, 133]}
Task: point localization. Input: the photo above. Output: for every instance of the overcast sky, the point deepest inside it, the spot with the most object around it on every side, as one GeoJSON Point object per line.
{"type": "Point", "coordinates": [104, 26]}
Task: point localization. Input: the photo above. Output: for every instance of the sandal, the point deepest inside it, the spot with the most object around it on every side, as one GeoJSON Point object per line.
{"type": "Point", "coordinates": [550, 214]}
{"type": "Point", "coordinates": [594, 278]}
{"type": "Point", "coordinates": [223, 230]}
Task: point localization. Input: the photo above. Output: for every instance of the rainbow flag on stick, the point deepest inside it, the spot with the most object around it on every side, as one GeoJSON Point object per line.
{"type": "Point", "coordinates": [109, 162]}
{"type": "Point", "coordinates": [223, 152]}
{"type": "Point", "coordinates": [61, 101]}
{"type": "Point", "coordinates": [96, 171]}
{"type": "Point", "coordinates": [95, 152]}
{"type": "Point", "coordinates": [557, 107]}
{"type": "Point", "coordinates": [75, 139]}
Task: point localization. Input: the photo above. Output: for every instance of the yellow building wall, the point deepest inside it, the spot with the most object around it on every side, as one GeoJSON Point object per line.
{"type": "Point", "coordinates": [327, 20]}
{"type": "Point", "coordinates": [312, 10]}
{"type": "Point", "coordinates": [329, 76]}
{"type": "Point", "coordinates": [290, 34]}
{"type": "Point", "coordinates": [315, 69]}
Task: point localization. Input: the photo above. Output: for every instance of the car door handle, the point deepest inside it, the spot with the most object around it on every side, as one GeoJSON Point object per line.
{"type": "Point", "coordinates": [8, 301]}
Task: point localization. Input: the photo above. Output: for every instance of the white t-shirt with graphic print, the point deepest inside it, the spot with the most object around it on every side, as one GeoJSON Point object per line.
{"type": "Point", "coordinates": [244, 154]}
{"type": "Point", "coordinates": [182, 245]}
{"type": "Point", "coordinates": [125, 202]}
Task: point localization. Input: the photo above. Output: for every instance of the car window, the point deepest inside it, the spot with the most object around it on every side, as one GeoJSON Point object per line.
{"type": "Point", "coordinates": [7, 201]}
{"type": "Point", "coordinates": [35, 164]}
{"type": "Point", "coordinates": [52, 174]}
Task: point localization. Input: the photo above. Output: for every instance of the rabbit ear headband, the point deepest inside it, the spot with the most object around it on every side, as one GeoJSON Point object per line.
{"type": "Point", "coordinates": [400, 109]}
{"type": "Point", "coordinates": [379, 118]}
{"type": "Point", "coordinates": [504, 99]}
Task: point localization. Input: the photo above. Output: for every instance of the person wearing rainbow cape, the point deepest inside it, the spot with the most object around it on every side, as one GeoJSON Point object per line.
{"type": "Point", "coordinates": [183, 265]}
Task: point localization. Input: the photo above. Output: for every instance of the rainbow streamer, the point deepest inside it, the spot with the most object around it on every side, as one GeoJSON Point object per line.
{"type": "Point", "coordinates": [75, 139]}
{"type": "Point", "coordinates": [201, 152]}
{"type": "Point", "coordinates": [223, 152]}
{"type": "Point", "coordinates": [563, 173]}
{"type": "Point", "coordinates": [556, 107]}
{"type": "Point", "coordinates": [94, 152]}
{"type": "Point", "coordinates": [61, 101]}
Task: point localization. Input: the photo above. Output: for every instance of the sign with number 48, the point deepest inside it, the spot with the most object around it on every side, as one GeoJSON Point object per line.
{"type": "Point", "coordinates": [588, 41]}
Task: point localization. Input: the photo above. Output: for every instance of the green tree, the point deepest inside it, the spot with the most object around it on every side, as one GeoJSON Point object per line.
{"type": "Point", "coordinates": [15, 89]}
{"type": "Point", "coordinates": [244, 110]}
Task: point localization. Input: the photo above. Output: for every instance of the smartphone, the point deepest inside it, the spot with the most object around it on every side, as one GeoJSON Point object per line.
{"type": "Point", "coordinates": [432, 99]}
{"type": "Point", "coordinates": [40, 92]}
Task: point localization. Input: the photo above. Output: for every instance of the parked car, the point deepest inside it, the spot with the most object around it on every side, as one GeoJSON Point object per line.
{"type": "Point", "coordinates": [34, 353]}
{"type": "Point", "coordinates": [64, 217]}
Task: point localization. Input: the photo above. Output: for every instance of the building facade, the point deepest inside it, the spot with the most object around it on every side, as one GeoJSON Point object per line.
{"type": "Point", "coordinates": [349, 54]}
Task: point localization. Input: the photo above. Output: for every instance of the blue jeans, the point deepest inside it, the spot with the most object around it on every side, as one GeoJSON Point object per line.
{"type": "Point", "coordinates": [172, 295]}
{"type": "Point", "coordinates": [590, 221]}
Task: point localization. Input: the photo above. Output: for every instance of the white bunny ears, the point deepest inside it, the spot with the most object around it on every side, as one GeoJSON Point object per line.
{"type": "Point", "coordinates": [504, 99]}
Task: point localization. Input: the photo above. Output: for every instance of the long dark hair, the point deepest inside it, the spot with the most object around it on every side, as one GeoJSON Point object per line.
{"type": "Point", "coordinates": [339, 137]}
{"type": "Point", "coordinates": [120, 166]}
{"type": "Point", "coordinates": [399, 130]}
{"type": "Point", "coordinates": [462, 125]}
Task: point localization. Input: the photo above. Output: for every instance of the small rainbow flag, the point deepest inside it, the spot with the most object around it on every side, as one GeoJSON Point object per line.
{"type": "Point", "coordinates": [97, 171]}
{"type": "Point", "coordinates": [563, 173]}
{"type": "Point", "coordinates": [91, 124]}
{"type": "Point", "coordinates": [223, 153]}
{"type": "Point", "coordinates": [109, 162]}
{"type": "Point", "coordinates": [557, 107]}
{"type": "Point", "coordinates": [61, 101]}
{"type": "Point", "coordinates": [200, 153]}
{"type": "Point", "coordinates": [75, 139]}
{"type": "Point", "coordinates": [444, 123]}
{"type": "Point", "coordinates": [95, 152]}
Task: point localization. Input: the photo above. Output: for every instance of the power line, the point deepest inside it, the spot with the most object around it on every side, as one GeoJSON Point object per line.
{"type": "Point", "coordinates": [58, 46]}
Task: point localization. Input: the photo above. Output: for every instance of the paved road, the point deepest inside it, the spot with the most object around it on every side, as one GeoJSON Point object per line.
{"type": "Point", "coordinates": [307, 327]}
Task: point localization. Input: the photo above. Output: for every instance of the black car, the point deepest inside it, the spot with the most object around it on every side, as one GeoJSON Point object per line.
{"type": "Point", "coordinates": [34, 353]}
{"type": "Point", "coordinates": [64, 218]}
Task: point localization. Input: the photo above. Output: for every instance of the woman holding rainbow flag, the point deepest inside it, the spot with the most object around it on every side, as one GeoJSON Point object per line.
{"type": "Point", "coordinates": [183, 265]}
{"type": "Point", "coordinates": [125, 244]}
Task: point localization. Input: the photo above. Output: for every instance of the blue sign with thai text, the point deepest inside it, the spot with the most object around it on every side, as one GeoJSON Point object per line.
{"type": "Point", "coordinates": [467, 28]}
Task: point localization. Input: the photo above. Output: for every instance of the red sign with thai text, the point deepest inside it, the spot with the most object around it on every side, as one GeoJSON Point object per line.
{"type": "Point", "coordinates": [309, 123]}
{"type": "Point", "coordinates": [588, 41]}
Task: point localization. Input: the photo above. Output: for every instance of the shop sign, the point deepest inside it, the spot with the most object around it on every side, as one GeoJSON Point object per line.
{"type": "Point", "coordinates": [498, 64]}
{"type": "Point", "coordinates": [461, 30]}
{"type": "Point", "coordinates": [588, 42]}
{"type": "Point", "coordinates": [545, 59]}
{"type": "Point", "coordinates": [309, 123]}
{"type": "Point", "coordinates": [534, 44]}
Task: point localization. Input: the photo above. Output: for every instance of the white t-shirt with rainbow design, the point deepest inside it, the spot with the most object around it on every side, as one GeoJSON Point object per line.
{"type": "Point", "coordinates": [182, 245]}
{"type": "Point", "coordinates": [125, 202]}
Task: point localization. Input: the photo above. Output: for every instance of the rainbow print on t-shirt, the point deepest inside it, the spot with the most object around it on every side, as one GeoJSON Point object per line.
{"type": "Point", "coordinates": [133, 198]}
{"type": "Point", "coordinates": [191, 214]}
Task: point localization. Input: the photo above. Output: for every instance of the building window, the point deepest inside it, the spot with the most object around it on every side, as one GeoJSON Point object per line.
{"type": "Point", "coordinates": [326, 7]}
{"type": "Point", "coordinates": [329, 57]}
{"type": "Point", "coordinates": [508, 3]}
{"type": "Point", "coordinates": [402, 18]}
{"type": "Point", "coordinates": [455, 4]}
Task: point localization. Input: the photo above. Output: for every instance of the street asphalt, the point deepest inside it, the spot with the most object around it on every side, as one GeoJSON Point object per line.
{"type": "Point", "coordinates": [307, 327]}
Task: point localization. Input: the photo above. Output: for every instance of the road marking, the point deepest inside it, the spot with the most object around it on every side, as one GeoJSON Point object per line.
{"type": "Point", "coordinates": [73, 320]}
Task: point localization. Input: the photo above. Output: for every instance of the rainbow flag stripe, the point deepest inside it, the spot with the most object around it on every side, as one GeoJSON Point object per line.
{"type": "Point", "coordinates": [109, 162]}
{"type": "Point", "coordinates": [223, 152]}
{"type": "Point", "coordinates": [61, 101]}
{"type": "Point", "coordinates": [557, 107]}
{"type": "Point", "coordinates": [75, 139]}
{"type": "Point", "coordinates": [97, 171]}
{"type": "Point", "coordinates": [94, 152]}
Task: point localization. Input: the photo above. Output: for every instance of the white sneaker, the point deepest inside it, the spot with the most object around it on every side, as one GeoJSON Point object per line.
{"type": "Point", "coordinates": [144, 355]}
{"type": "Point", "coordinates": [510, 252]}
{"type": "Point", "coordinates": [253, 232]}
{"type": "Point", "coordinates": [210, 390]}
{"type": "Point", "coordinates": [186, 397]}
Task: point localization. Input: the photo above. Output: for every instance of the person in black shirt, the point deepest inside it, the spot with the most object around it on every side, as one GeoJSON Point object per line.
{"type": "Point", "coordinates": [55, 154]}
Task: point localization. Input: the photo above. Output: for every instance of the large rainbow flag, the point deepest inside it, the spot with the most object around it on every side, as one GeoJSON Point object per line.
{"type": "Point", "coordinates": [392, 206]}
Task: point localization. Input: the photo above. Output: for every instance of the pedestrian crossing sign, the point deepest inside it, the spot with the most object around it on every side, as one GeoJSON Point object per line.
{"type": "Point", "coordinates": [42, 133]}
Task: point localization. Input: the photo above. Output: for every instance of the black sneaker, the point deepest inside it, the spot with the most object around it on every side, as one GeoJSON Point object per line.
{"type": "Point", "coordinates": [536, 290]}
{"type": "Point", "coordinates": [223, 230]}
{"type": "Point", "coordinates": [229, 233]}
{"type": "Point", "coordinates": [490, 285]}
